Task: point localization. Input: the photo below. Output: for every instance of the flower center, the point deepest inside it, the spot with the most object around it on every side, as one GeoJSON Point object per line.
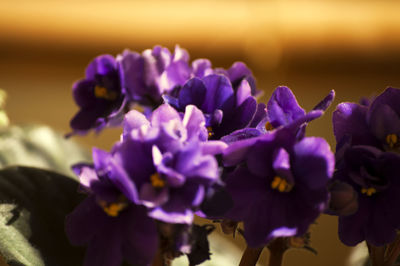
{"type": "Point", "coordinates": [210, 132]}
{"type": "Point", "coordinates": [268, 126]}
{"type": "Point", "coordinates": [281, 184]}
{"type": "Point", "coordinates": [391, 140]}
{"type": "Point", "coordinates": [103, 93]}
{"type": "Point", "coordinates": [156, 181]}
{"type": "Point", "coordinates": [114, 208]}
{"type": "Point", "coordinates": [368, 191]}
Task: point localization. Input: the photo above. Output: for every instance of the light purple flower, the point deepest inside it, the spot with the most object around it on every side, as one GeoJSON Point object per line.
{"type": "Point", "coordinates": [169, 161]}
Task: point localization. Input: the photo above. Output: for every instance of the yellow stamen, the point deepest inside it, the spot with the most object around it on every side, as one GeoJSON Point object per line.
{"type": "Point", "coordinates": [101, 92]}
{"type": "Point", "coordinates": [392, 140]}
{"type": "Point", "coordinates": [369, 191]}
{"type": "Point", "coordinates": [114, 208]}
{"type": "Point", "coordinates": [281, 184]}
{"type": "Point", "coordinates": [156, 181]}
{"type": "Point", "coordinates": [210, 132]}
{"type": "Point", "coordinates": [268, 126]}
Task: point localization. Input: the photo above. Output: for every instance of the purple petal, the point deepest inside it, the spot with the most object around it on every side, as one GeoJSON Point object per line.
{"type": "Point", "coordinates": [314, 162]}
{"type": "Point", "coordinates": [131, 66]}
{"type": "Point", "coordinates": [281, 165]}
{"type": "Point", "coordinates": [259, 115]}
{"type": "Point", "coordinates": [343, 200]}
{"type": "Point", "coordinates": [193, 92]}
{"type": "Point", "coordinates": [390, 97]}
{"type": "Point", "coordinates": [83, 93]}
{"type": "Point", "coordinates": [243, 92]}
{"type": "Point", "coordinates": [219, 90]}
{"type": "Point", "coordinates": [238, 71]}
{"type": "Point", "coordinates": [383, 120]}
{"type": "Point", "coordinates": [152, 197]}
{"type": "Point", "coordinates": [326, 102]}
{"type": "Point", "coordinates": [194, 122]}
{"type": "Point", "coordinates": [213, 147]}
{"type": "Point", "coordinates": [237, 151]}
{"type": "Point", "coordinates": [201, 68]}
{"type": "Point", "coordinates": [134, 120]}
{"type": "Point", "coordinates": [164, 114]}
{"type": "Point", "coordinates": [283, 108]}
{"type": "Point", "coordinates": [350, 119]}
{"type": "Point", "coordinates": [102, 65]}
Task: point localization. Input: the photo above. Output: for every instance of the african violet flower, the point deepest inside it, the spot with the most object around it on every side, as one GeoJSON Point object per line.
{"type": "Point", "coordinates": [147, 76]}
{"type": "Point", "coordinates": [373, 175]}
{"type": "Point", "coordinates": [279, 185]}
{"type": "Point", "coordinates": [282, 110]}
{"type": "Point", "coordinates": [236, 73]}
{"type": "Point", "coordinates": [168, 161]}
{"type": "Point", "coordinates": [109, 222]}
{"type": "Point", "coordinates": [376, 124]}
{"type": "Point", "coordinates": [99, 96]}
{"type": "Point", "coordinates": [226, 110]}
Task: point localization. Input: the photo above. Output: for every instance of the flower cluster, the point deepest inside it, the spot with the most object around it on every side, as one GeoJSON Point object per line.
{"type": "Point", "coordinates": [202, 145]}
{"type": "Point", "coordinates": [366, 187]}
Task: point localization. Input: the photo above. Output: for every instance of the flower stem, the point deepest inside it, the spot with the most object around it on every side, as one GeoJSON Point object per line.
{"type": "Point", "coordinates": [393, 251]}
{"type": "Point", "coordinates": [376, 254]}
{"type": "Point", "coordinates": [276, 250]}
{"type": "Point", "coordinates": [160, 259]}
{"type": "Point", "coordinates": [250, 256]}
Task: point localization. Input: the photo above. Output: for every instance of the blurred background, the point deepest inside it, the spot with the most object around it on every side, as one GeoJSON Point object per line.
{"type": "Point", "coordinates": [310, 46]}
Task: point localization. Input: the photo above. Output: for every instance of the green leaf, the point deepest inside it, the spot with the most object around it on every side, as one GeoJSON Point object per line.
{"type": "Point", "coordinates": [39, 146]}
{"type": "Point", "coordinates": [33, 206]}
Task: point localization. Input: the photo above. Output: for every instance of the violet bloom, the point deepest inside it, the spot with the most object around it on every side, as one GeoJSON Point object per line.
{"type": "Point", "coordinates": [279, 185]}
{"type": "Point", "coordinates": [281, 111]}
{"type": "Point", "coordinates": [109, 222]}
{"type": "Point", "coordinates": [373, 175]}
{"type": "Point", "coordinates": [156, 71]}
{"type": "Point", "coordinates": [225, 109]}
{"type": "Point", "coordinates": [377, 124]}
{"type": "Point", "coordinates": [236, 73]}
{"type": "Point", "coordinates": [99, 96]}
{"type": "Point", "coordinates": [168, 161]}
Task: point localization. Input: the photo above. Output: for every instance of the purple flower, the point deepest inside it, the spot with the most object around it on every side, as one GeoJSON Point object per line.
{"type": "Point", "coordinates": [376, 124]}
{"type": "Point", "coordinates": [225, 110]}
{"type": "Point", "coordinates": [279, 185]}
{"type": "Point", "coordinates": [109, 222]}
{"type": "Point", "coordinates": [236, 73]}
{"type": "Point", "coordinates": [282, 110]}
{"type": "Point", "coordinates": [168, 161]}
{"type": "Point", "coordinates": [373, 175]}
{"type": "Point", "coordinates": [99, 96]}
{"type": "Point", "coordinates": [149, 75]}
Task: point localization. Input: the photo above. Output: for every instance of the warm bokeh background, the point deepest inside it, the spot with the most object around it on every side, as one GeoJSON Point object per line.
{"type": "Point", "coordinates": [310, 46]}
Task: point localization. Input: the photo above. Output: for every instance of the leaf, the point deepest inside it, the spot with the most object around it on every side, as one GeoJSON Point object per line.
{"type": "Point", "coordinates": [33, 206]}
{"type": "Point", "coordinates": [39, 146]}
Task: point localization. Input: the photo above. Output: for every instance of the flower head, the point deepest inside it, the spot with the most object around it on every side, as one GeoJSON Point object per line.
{"type": "Point", "coordinates": [169, 161]}
{"type": "Point", "coordinates": [99, 96]}
{"type": "Point", "coordinates": [109, 222]}
{"type": "Point", "coordinates": [225, 110]}
{"type": "Point", "coordinates": [156, 71]}
{"type": "Point", "coordinates": [373, 175]}
{"type": "Point", "coordinates": [376, 124]}
{"type": "Point", "coordinates": [279, 185]}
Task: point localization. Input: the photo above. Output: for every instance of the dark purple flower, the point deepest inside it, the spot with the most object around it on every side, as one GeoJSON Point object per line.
{"type": "Point", "coordinates": [169, 161]}
{"type": "Point", "coordinates": [99, 96]}
{"type": "Point", "coordinates": [109, 222]}
{"type": "Point", "coordinates": [236, 73]}
{"type": "Point", "coordinates": [281, 111]}
{"type": "Point", "coordinates": [225, 110]}
{"type": "Point", "coordinates": [149, 75]}
{"type": "Point", "coordinates": [377, 124]}
{"type": "Point", "coordinates": [373, 175]}
{"type": "Point", "coordinates": [279, 185]}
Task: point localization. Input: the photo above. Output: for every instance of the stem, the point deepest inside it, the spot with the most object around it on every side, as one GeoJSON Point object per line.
{"type": "Point", "coordinates": [276, 249]}
{"type": "Point", "coordinates": [393, 252]}
{"type": "Point", "coordinates": [160, 259]}
{"type": "Point", "coordinates": [250, 256]}
{"type": "Point", "coordinates": [376, 254]}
